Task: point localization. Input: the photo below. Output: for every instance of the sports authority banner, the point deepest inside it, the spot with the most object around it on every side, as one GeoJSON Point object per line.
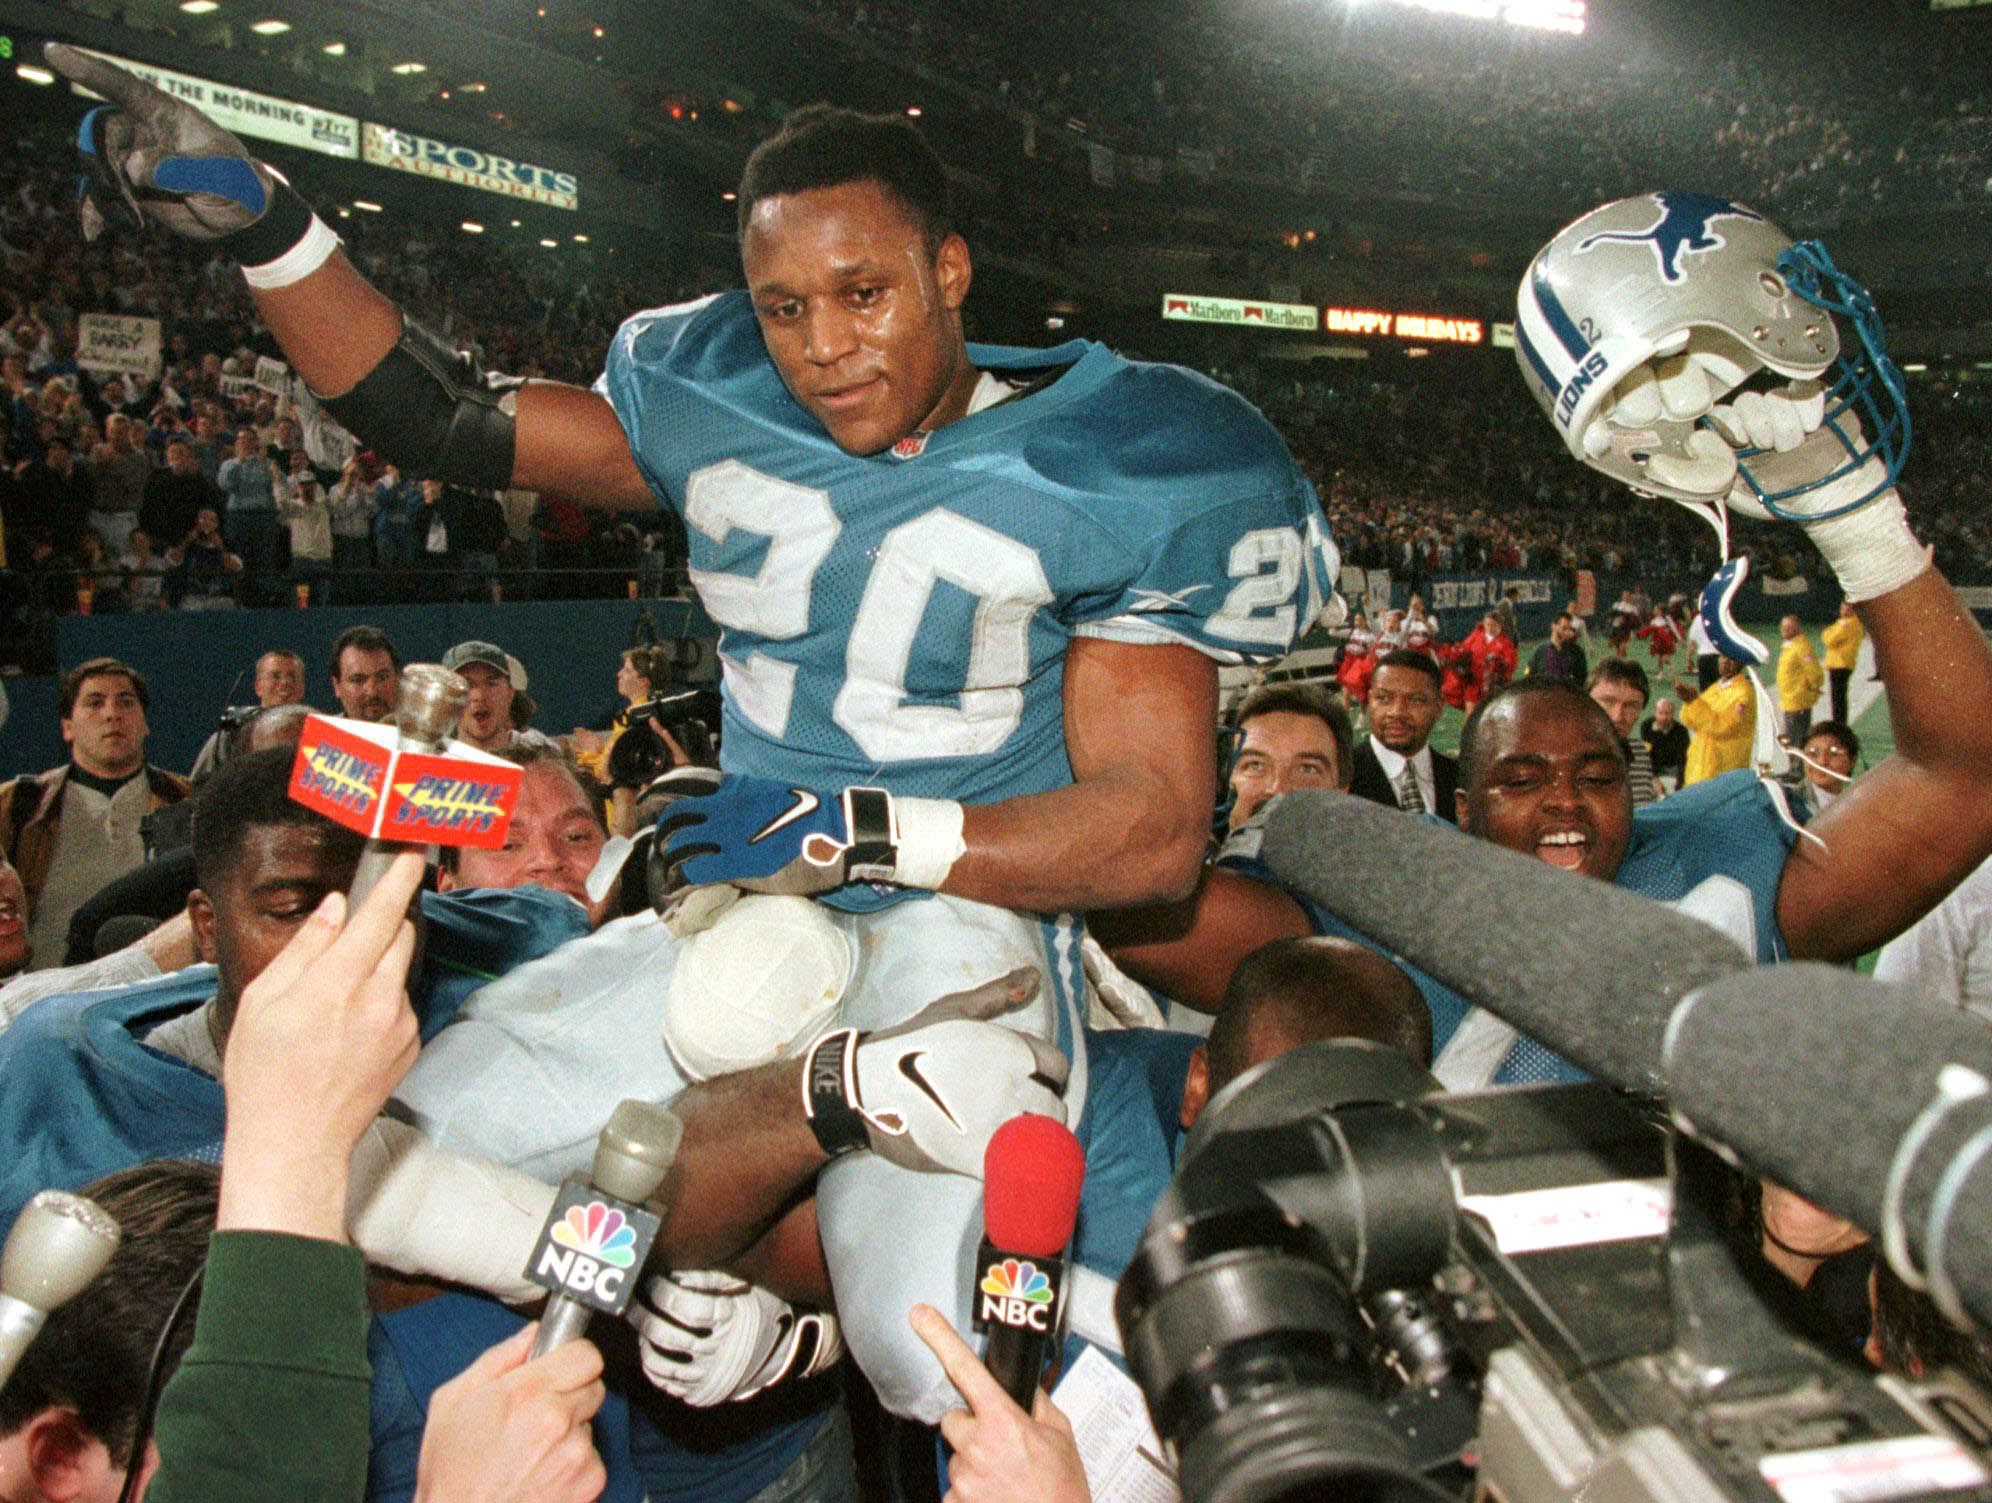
{"type": "Point", "coordinates": [405, 151]}
{"type": "Point", "coordinates": [248, 113]}
{"type": "Point", "coordinates": [114, 343]}
{"type": "Point", "coordinates": [1417, 326]}
{"type": "Point", "coordinates": [1243, 312]}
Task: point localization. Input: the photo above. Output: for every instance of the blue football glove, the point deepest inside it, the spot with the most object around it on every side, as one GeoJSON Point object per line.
{"type": "Point", "coordinates": [765, 836]}
{"type": "Point", "coordinates": [149, 156]}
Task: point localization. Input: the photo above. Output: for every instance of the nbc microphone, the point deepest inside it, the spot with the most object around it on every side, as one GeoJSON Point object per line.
{"type": "Point", "coordinates": [590, 1254]}
{"type": "Point", "coordinates": [60, 1242]}
{"type": "Point", "coordinates": [1031, 1175]}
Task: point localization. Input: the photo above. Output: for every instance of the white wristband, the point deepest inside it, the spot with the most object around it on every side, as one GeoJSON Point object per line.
{"type": "Point", "coordinates": [930, 842]}
{"type": "Point", "coordinates": [1871, 550]}
{"type": "Point", "coordinates": [297, 263]}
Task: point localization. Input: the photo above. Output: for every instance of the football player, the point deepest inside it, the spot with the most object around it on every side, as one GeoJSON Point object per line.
{"type": "Point", "coordinates": [1664, 304]}
{"type": "Point", "coordinates": [974, 599]}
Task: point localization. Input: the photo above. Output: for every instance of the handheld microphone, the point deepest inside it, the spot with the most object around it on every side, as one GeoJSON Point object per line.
{"type": "Point", "coordinates": [1597, 985]}
{"type": "Point", "coordinates": [60, 1242]}
{"type": "Point", "coordinates": [1032, 1173]}
{"type": "Point", "coordinates": [590, 1254]}
{"type": "Point", "coordinates": [427, 706]}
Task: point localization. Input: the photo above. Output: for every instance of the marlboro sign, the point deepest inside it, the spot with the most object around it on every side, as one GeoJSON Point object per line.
{"type": "Point", "coordinates": [356, 774]}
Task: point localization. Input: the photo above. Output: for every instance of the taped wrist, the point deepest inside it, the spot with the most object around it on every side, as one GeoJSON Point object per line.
{"type": "Point", "coordinates": [830, 1093]}
{"type": "Point", "coordinates": [1871, 551]}
{"type": "Point", "coordinates": [433, 412]}
{"type": "Point", "coordinates": [929, 841]}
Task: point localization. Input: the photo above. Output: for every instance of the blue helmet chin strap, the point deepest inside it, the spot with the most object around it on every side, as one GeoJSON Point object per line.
{"type": "Point", "coordinates": [1867, 409]}
{"type": "Point", "coordinates": [1717, 596]}
{"type": "Point", "coordinates": [1768, 752]}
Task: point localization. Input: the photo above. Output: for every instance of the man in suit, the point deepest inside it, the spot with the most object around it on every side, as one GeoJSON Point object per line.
{"type": "Point", "coordinates": [1396, 765]}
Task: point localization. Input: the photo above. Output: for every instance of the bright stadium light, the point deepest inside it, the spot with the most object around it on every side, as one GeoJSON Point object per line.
{"type": "Point", "coordinates": [406, 69]}
{"type": "Point", "coordinates": [1537, 15]}
{"type": "Point", "coordinates": [472, 227]}
{"type": "Point", "coordinates": [33, 74]}
{"type": "Point", "coordinates": [361, 203]}
{"type": "Point", "coordinates": [199, 7]}
{"type": "Point", "coordinates": [335, 49]}
{"type": "Point", "coordinates": [270, 28]}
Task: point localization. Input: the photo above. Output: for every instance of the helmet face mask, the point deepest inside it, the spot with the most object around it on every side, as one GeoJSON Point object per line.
{"type": "Point", "coordinates": [1715, 294]}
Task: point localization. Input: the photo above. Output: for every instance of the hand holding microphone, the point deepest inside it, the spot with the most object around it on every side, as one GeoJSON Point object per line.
{"type": "Point", "coordinates": [1001, 1453]}
{"type": "Point", "coordinates": [320, 1039]}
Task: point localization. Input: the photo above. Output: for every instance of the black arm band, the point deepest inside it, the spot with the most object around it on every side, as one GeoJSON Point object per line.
{"type": "Point", "coordinates": [829, 1088]}
{"type": "Point", "coordinates": [430, 410]}
{"type": "Point", "coordinates": [282, 224]}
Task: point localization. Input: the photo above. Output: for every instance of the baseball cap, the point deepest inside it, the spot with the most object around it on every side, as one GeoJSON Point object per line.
{"type": "Point", "coordinates": [491, 656]}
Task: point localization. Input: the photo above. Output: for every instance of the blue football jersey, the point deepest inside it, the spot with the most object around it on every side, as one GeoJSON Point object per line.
{"type": "Point", "coordinates": [1715, 851]}
{"type": "Point", "coordinates": [901, 619]}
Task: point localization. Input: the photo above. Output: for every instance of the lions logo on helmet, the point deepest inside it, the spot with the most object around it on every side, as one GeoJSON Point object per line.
{"type": "Point", "coordinates": [1637, 318]}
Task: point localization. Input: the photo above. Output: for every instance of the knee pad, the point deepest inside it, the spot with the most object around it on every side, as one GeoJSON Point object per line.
{"type": "Point", "coordinates": [760, 983]}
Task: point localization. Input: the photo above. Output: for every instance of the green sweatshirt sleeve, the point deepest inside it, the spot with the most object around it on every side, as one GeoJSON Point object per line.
{"type": "Point", "coordinates": [270, 1402]}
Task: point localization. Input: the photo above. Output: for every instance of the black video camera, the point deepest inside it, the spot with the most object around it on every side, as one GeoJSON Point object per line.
{"type": "Point", "coordinates": [636, 759]}
{"type": "Point", "coordinates": [1356, 1289]}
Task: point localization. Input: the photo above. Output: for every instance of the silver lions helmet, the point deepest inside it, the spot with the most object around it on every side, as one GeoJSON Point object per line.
{"type": "Point", "coordinates": [1641, 316]}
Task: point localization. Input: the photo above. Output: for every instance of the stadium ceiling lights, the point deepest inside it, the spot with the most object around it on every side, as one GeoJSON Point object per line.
{"type": "Point", "coordinates": [34, 75]}
{"type": "Point", "coordinates": [407, 68]}
{"type": "Point", "coordinates": [199, 7]}
{"type": "Point", "coordinates": [335, 49]}
{"type": "Point", "coordinates": [271, 28]}
{"type": "Point", "coordinates": [550, 244]}
{"type": "Point", "coordinates": [472, 227]}
{"type": "Point", "coordinates": [580, 239]}
{"type": "Point", "coordinates": [361, 203]}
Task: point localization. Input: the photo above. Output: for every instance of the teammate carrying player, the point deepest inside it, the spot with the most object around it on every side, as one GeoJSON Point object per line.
{"type": "Point", "coordinates": [973, 599]}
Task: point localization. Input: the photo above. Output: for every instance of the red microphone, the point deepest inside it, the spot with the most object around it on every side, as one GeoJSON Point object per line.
{"type": "Point", "coordinates": [1031, 1175]}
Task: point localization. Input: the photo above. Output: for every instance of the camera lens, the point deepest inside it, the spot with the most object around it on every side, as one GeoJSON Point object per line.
{"type": "Point", "coordinates": [1256, 1365]}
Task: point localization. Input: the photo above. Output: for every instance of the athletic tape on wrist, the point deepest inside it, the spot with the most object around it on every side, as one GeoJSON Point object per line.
{"type": "Point", "coordinates": [830, 1093]}
{"type": "Point", "coordinates": [1872, 551]}
{"type": "Point", "coordinates": [930, 841]}
{"type": "Point", "coordinates": [297, 263]}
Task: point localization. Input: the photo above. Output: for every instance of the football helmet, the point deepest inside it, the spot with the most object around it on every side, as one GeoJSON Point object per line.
{"type": "Point", "coordinates": [1641, 315]}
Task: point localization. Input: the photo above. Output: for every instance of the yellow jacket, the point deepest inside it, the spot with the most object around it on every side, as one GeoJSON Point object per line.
{"type": "Point", "coordinates": [1724, 720]}
{"type": "Point", "coordinates": [1843, 641]}
{"type": "Point", "coordinates": [1800, 678]}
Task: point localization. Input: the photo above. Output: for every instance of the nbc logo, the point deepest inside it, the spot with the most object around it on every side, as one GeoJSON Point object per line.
{"type": "Point", "coordinates": [590, 1250]}
{"type": "Point", "coordinates": [1017, 1293]}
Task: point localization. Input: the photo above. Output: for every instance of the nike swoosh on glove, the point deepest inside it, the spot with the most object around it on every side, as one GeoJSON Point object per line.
{"type": "Point", "coordinates": [771, 837]}
{"type": "Point", "coordinates": [928, 1093]}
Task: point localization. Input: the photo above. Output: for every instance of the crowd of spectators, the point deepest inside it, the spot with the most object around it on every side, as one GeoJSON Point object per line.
{"type": "Point", "coordinates": [1445, 108]}
{"type": "Point", "coordinates": [203, 489]}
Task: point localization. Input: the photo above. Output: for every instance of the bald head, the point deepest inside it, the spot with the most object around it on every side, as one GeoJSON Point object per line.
{"type": "Point", "coordinates": [1297, 991]}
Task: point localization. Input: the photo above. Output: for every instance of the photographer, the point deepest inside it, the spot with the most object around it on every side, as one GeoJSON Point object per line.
{"type": "Point", "coordinates": [645, 673]}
